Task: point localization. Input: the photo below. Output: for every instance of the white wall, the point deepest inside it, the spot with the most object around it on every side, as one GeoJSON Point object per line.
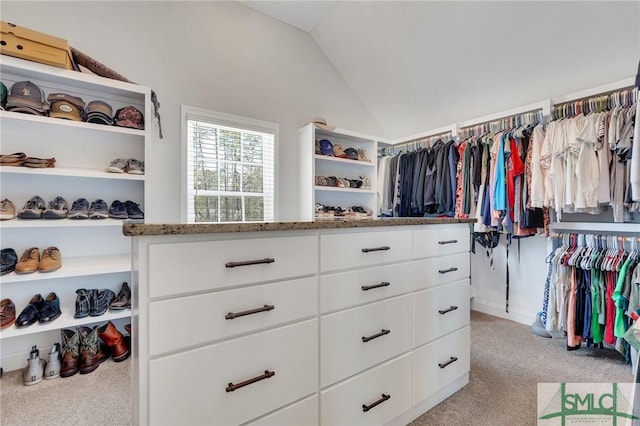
{"type": "Point", "coordinates": [216, 55]}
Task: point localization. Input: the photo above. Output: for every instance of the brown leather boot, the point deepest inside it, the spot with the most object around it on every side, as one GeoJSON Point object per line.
{"type": "Point", "coordinates": [70, 352]}
{"type": "Point", "coordinates": [115, 340]}
{"type": "Point", "coordinates": [89, 349]}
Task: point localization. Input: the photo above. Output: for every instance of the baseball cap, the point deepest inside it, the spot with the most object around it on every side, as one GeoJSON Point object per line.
{"type": "Point", "coordinates": [338, 152]}
{"type": "Point", "coordinates": [99, 112]}
{"type": "Point", "coordinates": [326, 147]}
{"type": "Point", "coordinates": [66, 106]}
{"type": "Point", "coordinates": [27, 97]}
{"type": "Point", "coordinates": [3, 95]}
{"type": "Point", "coordinates": [129, 116]}
{"type": "Point", "coordinates": [322, 123]}
{"type": "Point", "coordinates": [351, 153]}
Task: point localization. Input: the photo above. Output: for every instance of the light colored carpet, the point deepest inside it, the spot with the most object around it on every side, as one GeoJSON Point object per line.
{"type": "Point", "coordinates": [507, 362]}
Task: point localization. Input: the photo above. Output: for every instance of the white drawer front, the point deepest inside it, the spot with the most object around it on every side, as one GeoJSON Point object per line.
{"type": "Point", "coordinates": [180, 268]}
{"type": "Point", "coordinates": [440, 270]}
{"type": "Point", "coordinates": [343, 349]}
{"type": "Point", "coordinates": [215, 315]}
{"type": "Point", "coordinates": [190, 388]}
{"type": "Point", "coordinates": [343, 404]}
{"type": "Point", "coordinates": [354, 250]}
{"type": "Point", "coordinates": [441, 241]}
{"type": "Point", "coordinates": [346, 289]}
{"type": "Point", "coordinates": [441, 362]}
{"type": "Point", "coordinates": [441, 310]}
{"type": "Point", "coordinates": [303, 413]}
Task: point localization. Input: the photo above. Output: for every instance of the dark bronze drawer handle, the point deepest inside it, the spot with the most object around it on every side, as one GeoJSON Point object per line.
{"type": "Point", "coordinates": [375, 336]}
{"type": "Point", "coordinates": [267, 374]}
{"type": "Point", "coordinates": [446, 271]}
{"type": "Point", "coordinates": [451, 361]}
{"type": "Point", "coordinates": [448, 242]}
{"type": "Point", "coordinates": [383, 248]}
{"type": "Point", "coordinates": [444, 311]}
{"type": "Point", "coordinates": [265, 308]}
{"type": "Point", "coordinates": [366, 408]}
{"type": "Point", "coordinates": [249, 262]}
{"type": "Point", "coordinates": [370, 287]}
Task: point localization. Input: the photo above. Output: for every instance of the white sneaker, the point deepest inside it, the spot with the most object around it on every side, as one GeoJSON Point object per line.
{"type": "Point", "coordinates": [52, 370]}
{"type": "Point", "coordinates": [32, 375]}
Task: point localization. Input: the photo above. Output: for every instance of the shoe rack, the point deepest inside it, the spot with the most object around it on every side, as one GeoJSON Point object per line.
{"type": "Point", "coordinates": [95, 253]}
{"type": "Point", "coordinates": [313, 164]}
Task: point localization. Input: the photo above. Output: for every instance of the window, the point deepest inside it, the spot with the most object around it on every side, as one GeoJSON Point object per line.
{"type": "Point", "coordinates": [230, 168]}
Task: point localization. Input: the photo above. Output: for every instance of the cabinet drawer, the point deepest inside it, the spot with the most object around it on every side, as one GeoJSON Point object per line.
{"type": "Point", "coordinates": [191, 387]}
{"type": "Point", "coordinates": [343, 404]}
{"type": "Point", "coordinates": [440, 241]}
{"type": "Point", "coordinates": [179, 268]}
{"type": "Point", "coordinates": [429, 273]}
{"type": "Point", "coordinates": [441, 310]}
{"type": "Point", "coordinates": [347, 289]}
{"type": "Point", "coordinates": [211, 314]}
{"type": "Point", "coordinates": [303, 413]}
{"type": "Point", "coordinates": [354, 250]}
{"type": "Point", "coordinates": [440, 363]}
{"type": "Point", "coordinates": [344, 350]}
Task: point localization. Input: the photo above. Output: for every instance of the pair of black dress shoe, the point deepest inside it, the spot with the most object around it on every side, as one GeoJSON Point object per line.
{"type": "Point", "coordinates": [9, 258]}
{"type": "Point", "coordinates": [40, 310]}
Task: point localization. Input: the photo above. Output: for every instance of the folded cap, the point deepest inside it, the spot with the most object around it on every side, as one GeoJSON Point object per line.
{"type": "Point", "coordinates": [3, 95]}
{"type": "Point", "coordinates": [65, 109]}
{"type": "Point", "coordinates": [338, 152]}
{"type": "Point", "coordinates": [326, 147]}
{"type": "Point", "coordinates": [99, 118]}
{"type": "Point", "coordinates": [26, 93]}
{"type": "Point", "coordinates": [53, 97]}
{"type": "Point", "coordinates": [322, 123]}
{"type": "Point", "coordinates": [26, 110]}
{"type": "Point", "coordinates": [351, 153]}
{"type": "Point", "coordinates": [99, 107]}
{"type": "Point", "coordinates": [129, 116]}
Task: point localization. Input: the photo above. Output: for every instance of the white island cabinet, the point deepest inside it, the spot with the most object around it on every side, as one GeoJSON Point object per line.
{"type": "Point", "coordinates": [299, 323]}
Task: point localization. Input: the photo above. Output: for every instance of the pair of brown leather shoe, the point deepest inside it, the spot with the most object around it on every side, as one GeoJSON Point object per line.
{"type": "Point", "coordinates": [7, 313]}
{"type": "Point", "coordinates": [30, 261]}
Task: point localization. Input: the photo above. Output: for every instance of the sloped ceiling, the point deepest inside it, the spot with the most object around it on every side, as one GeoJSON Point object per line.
{"type": "Point", "coordinates": [422, 65]}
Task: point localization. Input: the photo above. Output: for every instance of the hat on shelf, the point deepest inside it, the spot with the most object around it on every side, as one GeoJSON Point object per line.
{"type": "Point", "coordinates": [351, 153]}
{"type": "Point", "coordinates": [129, 116]}
{"type": "Point", "coordinates": [26, 97]}
{"type": "Point", "coordinates": [322, 123]}
{"type": "Point", "coordinates": [66, 106]}
{"type": "Point", "coordinates": [3, 95]}
{"type": "Point", "coordinates": [326, 147]}
{"type": "Point", "coordinates": [338, 152]}
{"type": "Point", "coordinates": [99, 112]}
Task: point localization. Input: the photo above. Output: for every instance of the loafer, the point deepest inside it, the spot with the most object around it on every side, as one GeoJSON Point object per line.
{"type": "Point", "coordinates": [82, 303]}
{"type": "Point", "coordinates": [98, 210]}
{"type": "Point", "coordinates": [99, 301]}
{"type": "Point", "coordinates": [118, 210]}
{"type": "Point", "coordinates": [51, 309]}
{"type": "Point", "coordinates": [8, 260]}
{"type": "Point", "coordinates": [51, 260]}
{"type": "Point", "coordinates": [133, 210]}
{"type": "Point", "coordinates": [32, 209]}
{"type": "Point", "coordinates": [58, 209]}
{"type": "Point", "coordinates": [7, 313]}
{"type": "Point", "coordinates": [79, 209]}
{"type": "Point", "coordinates": [31, 312]}
{"type": "Point", "coordinates": [7, 210]}
{"type": "Point", "coordinates": [28, 262]}
{"type": "Point", "coordinates": [123, 299]}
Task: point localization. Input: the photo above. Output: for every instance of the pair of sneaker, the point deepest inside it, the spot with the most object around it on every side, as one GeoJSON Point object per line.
{"type": "Point", "coordinates": [35, 208]}
{"type": "Point", "coordinates": [81, 209]}
{"type": "Point", "coordinates": [126, 210]}
{"type": "Point", "coordinates": [126, 165]}
{"type": "Point", "coordinates": [37, 368]}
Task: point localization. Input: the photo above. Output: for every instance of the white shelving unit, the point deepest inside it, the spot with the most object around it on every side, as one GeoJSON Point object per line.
{"type": "Point", "coordinates": [312, 165]}
{"type": "Point", "coordinates": [95, 253]}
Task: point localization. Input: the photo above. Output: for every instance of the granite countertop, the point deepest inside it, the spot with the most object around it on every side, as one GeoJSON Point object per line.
{"type": "Point", "coordinates": [139, 229]}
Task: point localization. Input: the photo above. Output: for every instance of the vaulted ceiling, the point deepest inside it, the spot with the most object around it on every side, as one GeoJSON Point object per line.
{"type": "Point", "coordinates": [422, 65]}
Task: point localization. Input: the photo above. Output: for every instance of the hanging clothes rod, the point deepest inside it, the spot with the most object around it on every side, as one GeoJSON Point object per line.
{"type": "Point", "coordinates": [423, 141]}
{"type": "Point", "coordinates": [560, 234]}
{"type": "Point", "coordinates": [625, 96]}
{"type": "Point", "coordinates": [530, 117]}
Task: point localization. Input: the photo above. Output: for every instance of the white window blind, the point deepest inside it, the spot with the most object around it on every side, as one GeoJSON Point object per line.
{"type": "Point", "coordinates": [230, 168]}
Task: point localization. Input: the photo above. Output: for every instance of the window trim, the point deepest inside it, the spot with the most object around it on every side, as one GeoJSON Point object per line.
{"type": "Point", "coordinates": [188, 112]}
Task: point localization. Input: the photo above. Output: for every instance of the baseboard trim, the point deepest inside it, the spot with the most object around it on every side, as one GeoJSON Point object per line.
{"type": "Point", "coordinates": [13, 362]}
{"type": "Point", "coordinates": [498, 311]}
{"type": "Point", "coordinates": [422, 407]}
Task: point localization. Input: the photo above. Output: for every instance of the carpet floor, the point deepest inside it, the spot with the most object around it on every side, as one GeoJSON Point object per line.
{"type": "Point", "coordinates": [507, 362]}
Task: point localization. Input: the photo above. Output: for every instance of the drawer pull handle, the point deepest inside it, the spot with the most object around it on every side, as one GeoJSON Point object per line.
{"type": "Point", "coordinates": [267, 374]}
{"type": "Point", "coordinates": [249, 262]}
{"type": "Point", "coordinates": [371, 287]}
{"type": "Point", "coordinates": [446, 271]}
{"type": "Point", "coordinates": [383, 248]}
{"type": "Point", "coordinates": [447, 242]}
{"type": "Point", "coordinates": [366, 407]}
{"type": "Point", "coordinates": [265, 308]}
{"type": "Point", "coordinates": [444, 311]}
{"type": "Point", "coordinates": [451, 361]}
{"type": "Point", "coordinates": [375, 336]}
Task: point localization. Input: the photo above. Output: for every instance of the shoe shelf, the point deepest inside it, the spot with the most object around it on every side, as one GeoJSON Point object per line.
{"type": "Point", "coordinates": [62, 223]}
{"type": "Point", "coordinates": [338, 189]}
{"type": "Point", "coordinates": [344, 160]}
{"type": "Point", "coordinates": [65, 320]}
{"type": "Point", "coordinates": [48, 121]}
{"type": "Point", "coordinates": [70, 172]}
{"type": "Point", "coordinates": [76, 267]}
